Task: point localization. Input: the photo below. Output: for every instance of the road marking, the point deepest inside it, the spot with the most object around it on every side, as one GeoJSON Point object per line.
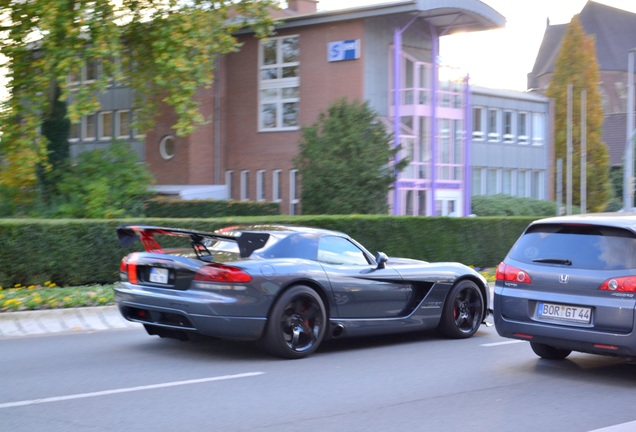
{"type": "Point", "coordinates": [623, 427]}
{"type": "Point", "coordinates": [127, 390]}
{"type": "Point", "coordinates": [502, 343]}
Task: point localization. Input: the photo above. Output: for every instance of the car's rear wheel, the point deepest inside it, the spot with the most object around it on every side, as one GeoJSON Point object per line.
{"type": "Point", "coordinates": [549, 352]}
{"type": "Point", "coordinates": [296, 325]}
{"type": "Point", "coordinates": [463, 311]}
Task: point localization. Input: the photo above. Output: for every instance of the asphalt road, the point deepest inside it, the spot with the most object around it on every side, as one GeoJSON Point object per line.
{"type": "Point", "coordinates": [124, 380]}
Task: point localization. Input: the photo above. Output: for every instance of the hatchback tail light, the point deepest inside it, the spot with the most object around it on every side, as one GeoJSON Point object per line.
{"type": "Point", "coordinates": [508, 273]}
{"type": "Point", "coordinates": [620, 284]}
{"type": "Point", "coordinates": [221, 273]}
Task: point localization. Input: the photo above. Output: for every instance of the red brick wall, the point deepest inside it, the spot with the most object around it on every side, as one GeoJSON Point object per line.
{"type": "Point", "coordinates": [320, 83]}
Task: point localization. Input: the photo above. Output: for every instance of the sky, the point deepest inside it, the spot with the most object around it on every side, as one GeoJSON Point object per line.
{"type": "Point", "coordinates": [500, 58]}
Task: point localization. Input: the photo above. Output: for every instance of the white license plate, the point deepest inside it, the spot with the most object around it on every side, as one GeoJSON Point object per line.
{"type": "Point", "coordinates": [158, 275]}
{"type": "Point", "coordinates": [567, 313]}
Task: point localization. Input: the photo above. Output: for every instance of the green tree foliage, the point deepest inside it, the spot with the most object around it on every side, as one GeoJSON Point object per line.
{"type": "Point", "coordinates": [106, 184]}
{"type": "Point", "coordinates": [166, 49]}
{"type": "Point", "coordinates": [577, 65]}
{"type": "Point", "coordinates": [346, 162]}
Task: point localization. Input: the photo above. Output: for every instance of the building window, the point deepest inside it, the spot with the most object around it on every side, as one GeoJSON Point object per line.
{"type": "Point", "coordinates": [279, 97]}
{"type": "Point", "coordinates": [89, 127]}
{"type": "Point", "coordinates": [105, 125]}
{"type": "Point", "coordinates": [492, 187]}
{"type": "Point", "coordinates": [478, 124]}
{"type": "Point", "coordinates": [229, 183]}
{"type": "Point", "coordinates": [507, 182]}
{"type": "Point", "coordinates": [537, 129]}
{"type": "Point", "coordinates": [276, 186]}
{"type": "Point", "coordinates": [522, 128]}
{"type": "Point", "coordinates": [245, 184]}
{"type": "Point", "coordinates": [75, 133]}
{"type": "Point", "coordinates": [522, 183]}
{"type": "Point", "coordinates": [294, 201]}
{"type": "Point", "coordinates": [477, 186]}
{"type": "Point", "coordinates": [493, 125]}
{"type": "Point", "coordinates": [91, 71]}
{"type": "Point", "coordinates": [167, 147]}
{"type": "Point", "coordinates": [122, 124]}
{"type": "Point", "coordinates": [260, 185]}
{"type": "Point", "coordinates": [135, 124]}
{"type": "Point", "coordinates": [508, 120]}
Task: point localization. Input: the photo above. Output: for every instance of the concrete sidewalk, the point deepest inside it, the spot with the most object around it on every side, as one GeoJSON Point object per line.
{"type": "Point", "coordinates": [28, 323]}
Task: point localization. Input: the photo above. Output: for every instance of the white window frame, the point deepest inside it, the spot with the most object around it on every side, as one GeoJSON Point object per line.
{"type": "Point", "coordinates": [523, 139]}
{"type": "Point", "coordinates": [293, 192]}
{"type": "Point", "coordinates": [509, 137]}
{"type": "Point", "coordinates": [260, 185]}
{"type": "Point", "coordinates": [134, 127]}
{"type": "Point", "coordinates": [279, 91]}
{"type": "Point", "coordinates": [89, 122]}
{"type": "Point", "coordinates": [104, 130]}
{"type": "Point", "coordinates": [478, 130]}
{"type": "Point", "coordinates": [75, 132]}
{"type": "Point", "coordinates": [118, 124]}
{"type": "Point", "coordinates": [276, 185]}
{"type": "Point", "coordinates": [229, 183]}
{"type": "Point", "coordinates": [245, 185]}
{"type": "Point", "coordinates": [538, 129]}
{"type": "Point", "coordinates": [493, 133]}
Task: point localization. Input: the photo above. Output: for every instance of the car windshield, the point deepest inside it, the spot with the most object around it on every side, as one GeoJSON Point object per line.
{"type": "Point", "coordinates": [577, 246]}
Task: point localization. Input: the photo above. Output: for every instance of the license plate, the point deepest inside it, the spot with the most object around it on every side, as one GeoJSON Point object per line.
{"type": "Point", "coordinates": [576, 314]}
{"type": "Point", "coordinates": [158, 275]}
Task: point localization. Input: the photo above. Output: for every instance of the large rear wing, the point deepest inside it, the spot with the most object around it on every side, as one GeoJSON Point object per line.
{"type": "Point", "coordinates": [247, 241]}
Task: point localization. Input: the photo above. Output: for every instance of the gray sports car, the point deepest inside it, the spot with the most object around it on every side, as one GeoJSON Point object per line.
{"type": "Point", "coordinates": [288, 288]}
{"type": "Point", "coordinates": [569, 284]}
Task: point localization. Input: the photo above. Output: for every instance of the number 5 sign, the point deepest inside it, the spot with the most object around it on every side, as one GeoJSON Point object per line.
{"type": "Point", "coordinates": [343, 50]}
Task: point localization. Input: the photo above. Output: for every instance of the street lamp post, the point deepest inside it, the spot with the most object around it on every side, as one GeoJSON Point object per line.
{"type": "Point", "coordinates": [628, 174]}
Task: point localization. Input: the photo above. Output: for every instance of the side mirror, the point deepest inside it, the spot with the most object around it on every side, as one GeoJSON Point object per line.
{"type": "Point", "coordinates": [381, 259]}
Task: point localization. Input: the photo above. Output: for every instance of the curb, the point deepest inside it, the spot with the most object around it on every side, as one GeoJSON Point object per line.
{"type": "Point", "coordinates": [48, 321]}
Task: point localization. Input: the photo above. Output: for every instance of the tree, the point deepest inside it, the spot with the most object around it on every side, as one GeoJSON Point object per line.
{"type": "Point", "coordinates": [346, 162]}
{"type": "Point", "coordinates": [108, 183]}
{"type": "Point", "coordinates": [577, 65]}
{"type": "Point", "coordinates": [162, 47]}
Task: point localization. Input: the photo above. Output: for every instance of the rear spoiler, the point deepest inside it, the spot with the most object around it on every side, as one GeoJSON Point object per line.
{"type": "Point", "coordinates": [247, 242]}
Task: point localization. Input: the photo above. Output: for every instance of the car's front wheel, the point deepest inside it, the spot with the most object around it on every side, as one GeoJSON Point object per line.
{"type": "Point", "coordinates": [549, 352]}
{"type": "Point", "coordinates": [296, 324]}
{"type": "Point", "coordinates": [463, 311]}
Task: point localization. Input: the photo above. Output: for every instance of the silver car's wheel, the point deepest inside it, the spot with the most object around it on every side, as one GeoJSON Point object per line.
{"type": "Point", "coordinates": [463, 311]}
{"type": "Point", "coordinates": [296, 325]}
{"type": "Point", "coordinates": [549, 352]}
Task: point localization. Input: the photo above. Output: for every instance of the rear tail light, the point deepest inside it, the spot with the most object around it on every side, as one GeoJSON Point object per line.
{"type": "Point", "coordinates": [620, 284]}
{"type": "Point", "coordinates": [222, 273]}
{"type": "Point", "coordinates": [509, 273]}
{"type": "Point", "coordinates": [128, 268]}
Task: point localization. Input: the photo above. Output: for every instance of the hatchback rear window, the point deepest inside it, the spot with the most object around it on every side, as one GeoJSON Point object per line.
{"type": "Point", "coordinates": [579, 246]}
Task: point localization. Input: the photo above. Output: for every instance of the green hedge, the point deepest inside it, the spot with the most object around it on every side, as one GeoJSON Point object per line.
{"type": "Point", "coordinates": [79, 252]}
{"type": "Point", "coordinates": [166, 207]}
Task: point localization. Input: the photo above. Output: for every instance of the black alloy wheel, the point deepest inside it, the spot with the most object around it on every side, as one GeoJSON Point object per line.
{"type": "Point", "coordinates": [463, 311]}
{"type": "Point", "coordinates": [296, 325]}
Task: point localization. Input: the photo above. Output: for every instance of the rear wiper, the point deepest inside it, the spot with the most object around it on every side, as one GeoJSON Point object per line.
{"type": "Point", "coordinates": [561, 261]}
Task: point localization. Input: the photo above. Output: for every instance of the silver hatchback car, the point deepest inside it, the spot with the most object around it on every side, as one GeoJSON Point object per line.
{"type": "Point", "coordinates": [569, 284]}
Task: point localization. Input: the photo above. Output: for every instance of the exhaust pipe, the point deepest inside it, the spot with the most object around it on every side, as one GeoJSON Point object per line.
{"type": "Point", "coordinates": [337, 330]}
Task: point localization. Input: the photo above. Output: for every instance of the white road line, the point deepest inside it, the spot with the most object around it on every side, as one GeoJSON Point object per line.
{"type": "Point", "coordinates": [623, 427]}
{"type": "Point", "coordinates": [501, 343]}
{"type": "Point", "coordinates": [127, 390]}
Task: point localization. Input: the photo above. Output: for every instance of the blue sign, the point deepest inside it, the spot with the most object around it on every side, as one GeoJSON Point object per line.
{"type": "Point", "coordinates": [343, 50]}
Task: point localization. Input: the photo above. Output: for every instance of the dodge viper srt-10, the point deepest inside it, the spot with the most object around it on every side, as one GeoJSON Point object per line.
{"type": "Point", "coordinates": [288, 288]}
